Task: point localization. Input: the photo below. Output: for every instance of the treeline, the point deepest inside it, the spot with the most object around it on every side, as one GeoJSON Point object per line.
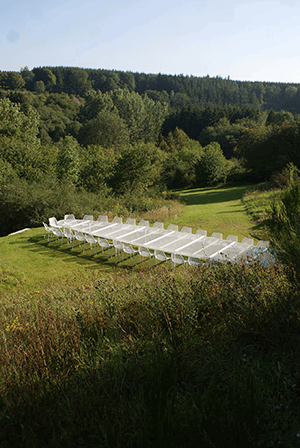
{"type": "Point", "coordinates": [176, 90]}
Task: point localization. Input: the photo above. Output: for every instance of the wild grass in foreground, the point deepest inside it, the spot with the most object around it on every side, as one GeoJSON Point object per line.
{"type": "Point", "coordinates": [154, 357]}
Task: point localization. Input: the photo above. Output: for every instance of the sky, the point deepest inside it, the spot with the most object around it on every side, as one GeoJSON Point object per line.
{"type": "Point", "coordinates": [247, 41]}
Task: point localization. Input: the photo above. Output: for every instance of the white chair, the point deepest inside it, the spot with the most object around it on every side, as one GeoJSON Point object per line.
{"type": "Point", "coordinates": [158, 225]}
{"type": "Point", "coordinates": [177, 259]}
{"type": "Point", "coordinates": [118, 248]}
{"type": "Point", "coordinates": [201, 232]}
{"type": "Point", "coordinates": [92, 242]}
{"type": "Point", "coordinates": [194, 261]}
{"type": "Point", "coordinates": [47, 230]}
{"type": "Point", "coordinates": [217, 235]}
{"type": "Point", "coordinates": [145, 252]}
{"type": "Point", "coordinates": [144, 222]}
{"type": "Point", "coordinates": [88, 218]}
{"type": "Point", "coordinates": [247, 241]}
{"type": "Point", "coordinates": [128, 249]}
{"type": "Point", "coordinates": [104, 243]}
{"type": "Point", "coordinates": [102, 218]}
{"type": "Point", "coordinates": [117, 220]}
{"type": "Point", "coordinates": [69, 235]}
{"type": "Point", "coordinates": [69, 217]}
{"type": "Point", "coordinates": [79, 236]}
{"type": "Point", "coordinates": [262, 244]}
{"type": "Point", "coordinates": [131, 221]}
{"type": "Point", "coordinates": [232, 238]}
{"type": "Point", "coordinates": [53, 222]}
{"type": "Point", "coordinates": [186, 229]}
{"type": "Point", "coordinates": [161, 256]}
{"type": "Point", "coordinates": [58, 232]}
{"type": "Point", "coordinates": [172, 227]}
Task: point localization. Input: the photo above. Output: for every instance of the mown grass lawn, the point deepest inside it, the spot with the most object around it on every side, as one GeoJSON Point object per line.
{"type": "Point", "coordinates": [218, 209]}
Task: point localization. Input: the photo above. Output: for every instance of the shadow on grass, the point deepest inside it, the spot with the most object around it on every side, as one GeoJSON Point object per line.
{"type": "Point", "coordinates": [65, 254]}
{"type": "Point", "coordinates": [215, 195]}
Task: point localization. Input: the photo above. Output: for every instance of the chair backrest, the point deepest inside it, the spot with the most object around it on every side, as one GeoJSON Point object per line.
{"type": "Point", "coordinates": [144, 222]}
{"type": "Point", "coordinates": [90, 239]}
{"type": "Point", "coordinates": [160, 255]}
{"type": "Point", "coordinates": [144, 251]}
{"type": "Point", "coordinates": [79, 236]}
{"type": "Point", "coordinates": [69, 217]}
{"type": "Point", "coordinates": [158, 225]}
{"type": "Point", "coordinates": [262, 243]}
{"type": "Point", "coordinates": [185, 229]}
{"type": "Point", "coordinates": [194, 261]}
{"type": "Point", "coordinates": [172, 227]}
{"type": "Point", "coordinates": [88, 218]}
{"type": "Point", "coordinates": [247, 241]}
{"type": "Point", "coordinates": [53, 222]}
{"type": "Point", "coordinates": [68, 232]}
{"type": "Point", "coordinates": [102, 218]}
{"type": "Point", "coordinates": [177, 259]}
{"type": "Point", "coordinates": [217, 235]}
{"type": "Point", "coordinates": [117, 220]}
{"type": "Point", "coordinates": [201, 232]}
{"type": "Point", "coordinates": [232, 238]}
{"type": "Point", "coordinates": [131, 221]}
{"type": "Point", "coordinates": [117, 244]}
{"type": "Point", "coordinates": [47, 228]}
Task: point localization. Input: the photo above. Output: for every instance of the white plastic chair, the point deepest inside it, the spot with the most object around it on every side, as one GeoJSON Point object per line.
{"type": "Point", "coordinates": [102, 218]}
{"type": "Point", "coordinates": [247, 241]}
{"type": "Point", "coordinates": [177, 259]}
{"type": "Point", "coordinates": [69, 235]}
{"type": "Point", "coordinates": [117, 220]}
{"type": "Point", "coordinates": [79, 236]}
{"type": "Point", "coordinates": [158, 225]}
{"type": "Point", "coordinates": [58, 232]}
{"type": "Point", "coordinates": [201, 232]}
{"type": "Point", "coordinates": [131, 221]}
{"type": "Point", "coordinates": [262, 243]}
{"type": "Point", "coordinates": [172, 227]}
{"type": "Point", "coordinates": [88, 218]}
{"type": "Point", "coordinates": [185, 229]}
{"type": "Point", "coordinates": [145, 252]}
{"type": "Point", "coordinates": [53, 222]}
{"type": "Point", "coordinates": [217, 235]}
{"type": "Point", "coordinates": [232, 238]}
{"type": "Point", "coordinates": [128, 249]}
{"type": "Point", "coordinates": [104, 243]}
{"type": "Point", "coordinates": [118, 248]}
{"type": "Point", "coordinates": [69, 217]}
{"type": "Point", "coordinates": [161, 256]}
{"type": "Point", "coordinates": [47, 230]}
{"type": "Point", "coordinates": [92, 242]}
{"type": "Point", "coordinates": [144, 222]}
{"type": "Point", "coordinates": [194, 261]}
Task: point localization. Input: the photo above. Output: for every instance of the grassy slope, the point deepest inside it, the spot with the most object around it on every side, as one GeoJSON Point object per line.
{"type": "Point", "coordinates": [28, 261]}
{"type": "Point", "coordinates": [218, 209]}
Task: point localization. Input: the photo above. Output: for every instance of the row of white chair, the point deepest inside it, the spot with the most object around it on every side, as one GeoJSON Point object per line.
{"type": "Point", "coordinates": [171, 227]}
{"type": "Point", "coordinates": [116, 246]}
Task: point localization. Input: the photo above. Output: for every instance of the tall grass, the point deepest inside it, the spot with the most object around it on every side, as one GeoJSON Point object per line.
{"type": "Point", "coordinates": [151, 358]}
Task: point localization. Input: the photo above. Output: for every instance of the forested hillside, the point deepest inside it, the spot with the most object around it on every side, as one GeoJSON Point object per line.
{"type": "Point", "coordinates": [109, 137]}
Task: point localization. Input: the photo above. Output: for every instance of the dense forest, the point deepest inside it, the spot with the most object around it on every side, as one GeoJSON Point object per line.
{"type": "Point", "coordinates": [94, 136]}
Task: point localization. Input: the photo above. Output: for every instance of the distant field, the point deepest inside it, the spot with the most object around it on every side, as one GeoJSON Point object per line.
{"type": "Point", "coordinates": [218, 209]}
{"type": "Point", "coordinates": [27, 260]}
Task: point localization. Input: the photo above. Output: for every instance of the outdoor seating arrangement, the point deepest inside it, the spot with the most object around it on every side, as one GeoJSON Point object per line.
{"type": "Point", "coordinates": [155, 242]}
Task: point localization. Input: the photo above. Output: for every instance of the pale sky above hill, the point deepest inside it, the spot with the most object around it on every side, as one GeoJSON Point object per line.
{"type": "Point", "coordinates": [246, 40]}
